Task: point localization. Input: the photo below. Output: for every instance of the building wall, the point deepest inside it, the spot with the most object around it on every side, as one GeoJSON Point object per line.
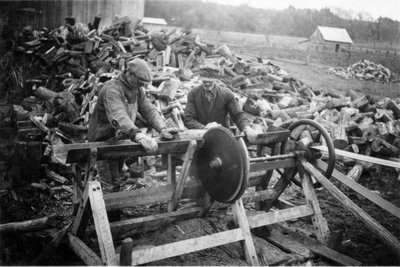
{"type": "Point", "coordinates": [53, 12]}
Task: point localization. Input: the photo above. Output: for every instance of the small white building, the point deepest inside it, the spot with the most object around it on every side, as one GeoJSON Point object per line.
{"type": "Point", "coordinates": [329, 38]}
{"type": "Point", "coordinates": [153, 24]}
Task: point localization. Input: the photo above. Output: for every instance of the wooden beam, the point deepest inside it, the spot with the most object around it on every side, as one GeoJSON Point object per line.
{"type": "Point", "coordinates": [272, 165]}
{"type": "Point", "coordinates": [319, 222]}
{"type": "Point", "coordinates": [137, 197]}
{"type": "Point", "coordinates": [171, 179]}
{"type": "Point", "coordinates": [71, 153]}
{"type": "Point", "coordinates": [82, 216]}
{"type": "Point", "coordinates": [186, 246]}
{"type": "Point", "coordinates": [386, 237]}
{"type": "Point", "coordinates": [286, 244]}
{"type": "Point", "coordinates": [247, 244]}
{"type": "Point", "coordinates": [83, 251]}
{"type": "Point", "coordinates": [101, 223]}
{"type": "Point", "coordinates": [183, 174]}
{"type": "Point", "coordinates": [383, 203]}
{"type": "Point", "coordinates": [344, 153]}
{"type": "Point", "coordinates": [317, 248]}
{"type": "Point", "coordinates": [152, 222]}
{"type": "Point", "coordinates": [266, 218]}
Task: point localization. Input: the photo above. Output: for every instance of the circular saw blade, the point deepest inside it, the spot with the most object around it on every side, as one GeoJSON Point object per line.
{"type": "Point", "coordinates": [221, 165]}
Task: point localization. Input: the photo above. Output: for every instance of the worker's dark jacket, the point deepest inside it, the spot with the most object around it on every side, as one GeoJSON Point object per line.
{"type": "Point", "coordinates": [116, 110]}
{"type": "Point", "coordinates": [199, 111]}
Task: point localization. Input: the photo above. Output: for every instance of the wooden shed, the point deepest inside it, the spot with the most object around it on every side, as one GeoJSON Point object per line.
{"type": "Point", "coordinates": [51, 13]}
{"type": "Point", "coordinates": [331, 39]}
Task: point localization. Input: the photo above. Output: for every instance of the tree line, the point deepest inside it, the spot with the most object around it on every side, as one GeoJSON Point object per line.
{"type": "Point", "coordinates": [290, 21]}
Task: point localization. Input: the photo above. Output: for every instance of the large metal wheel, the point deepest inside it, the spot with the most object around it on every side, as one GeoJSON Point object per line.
{"type": "Point", "coordinates": [222, 165]}
{"type": "Point", "coordinates": [304, 134]}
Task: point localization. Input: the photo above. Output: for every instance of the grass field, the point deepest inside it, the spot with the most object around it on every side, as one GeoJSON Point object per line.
{"type": "Point", "coordinates": [317, 77]}
{"type": "Point", "coordinates": [290, 55]}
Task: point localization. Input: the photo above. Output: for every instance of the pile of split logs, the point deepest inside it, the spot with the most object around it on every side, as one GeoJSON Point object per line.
{"type": "Point", "coordinates": [61, 71]}
{"type": "Point", "coordinates": [364, 70]}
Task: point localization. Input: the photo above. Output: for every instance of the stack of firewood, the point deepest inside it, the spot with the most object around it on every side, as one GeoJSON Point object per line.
{"type": "Point", "coordinates": [60, 73]}
{"type": "Point", "coordinates": [364, 70]}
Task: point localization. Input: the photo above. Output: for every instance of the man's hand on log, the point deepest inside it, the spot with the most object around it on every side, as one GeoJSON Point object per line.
{"type": "Point", "coordinates": [250, 134]}
{"type": "Point", "coordinates": [166, 135]}
{"type": "Point", "coordinates": [148, 143]}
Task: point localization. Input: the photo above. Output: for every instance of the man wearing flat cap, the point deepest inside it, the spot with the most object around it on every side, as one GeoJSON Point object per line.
{"type": "Point", "coordinates": [209, 104]}
{"type": "Point", "coordinates": [117, 106]}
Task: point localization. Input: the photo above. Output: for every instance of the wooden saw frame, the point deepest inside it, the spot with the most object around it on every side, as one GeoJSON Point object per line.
{"type": "Point", "coordinates": [93, 204]}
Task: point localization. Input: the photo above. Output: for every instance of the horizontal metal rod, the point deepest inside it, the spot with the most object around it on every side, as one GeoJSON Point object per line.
{"type": "Point", "coordinates": [272, 158]}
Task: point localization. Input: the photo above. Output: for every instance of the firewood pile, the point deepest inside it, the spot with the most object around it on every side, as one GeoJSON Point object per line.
{"type": "Point", "coordinates": [364, 70]}
{"type": "Point", "coordinates": [59, 73]}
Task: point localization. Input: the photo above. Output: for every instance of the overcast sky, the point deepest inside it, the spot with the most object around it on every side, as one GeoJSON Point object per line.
{"type": "Point", "coordinates": [376, 8]}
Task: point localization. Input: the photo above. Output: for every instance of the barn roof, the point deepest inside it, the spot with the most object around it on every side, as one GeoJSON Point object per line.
{"type": "Point", "coordinates": [157, 21]}
{"type": "Point", "coordinates": [334, 34]}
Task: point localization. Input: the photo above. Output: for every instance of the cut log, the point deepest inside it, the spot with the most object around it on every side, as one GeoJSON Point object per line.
{"type": "Point", "coordinates": [29, 225]}
{"type": "Point", "coordinates": [354, 174]}
{"type": "Point", "coordinates": [369, 133]}
{"type": "Point", "coordinates": [56, 177]}
{"type": "Point", "coordinates": [360, 103]}
{"type": "Point", "coordinates": [73, 130]}
{"type": "Point", "coordinates": [339, 137]}
{"type": "Point", "coordinates": [382, 129]}
{"type": "Point", "coordinates": [394, 108]}
{"type": "Point", "coordinates": [384, 148]}
{"type": "Point", "coordinates": [383, 115]}
{"type": "Point", "coordinates": [168, 89]}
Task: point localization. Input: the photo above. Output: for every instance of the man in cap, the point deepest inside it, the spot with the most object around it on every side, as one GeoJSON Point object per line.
{"type": "Point", "coordinates": [209, 104]}
{"type": "Point", "coordinates": [117, 106]}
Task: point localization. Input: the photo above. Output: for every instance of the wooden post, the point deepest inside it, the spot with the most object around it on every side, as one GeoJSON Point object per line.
{"type": "Point", "coordinates": [183, 175]}
{"type": "Point", "coordinates": [373, 225]}
{"type": "Point", "coordinates": [101, 223]}
{"type": "Point", "coordinates": [125, 258]}
{"type": "Point", "coordinates": [318, 221]}
{"type": "Point", "coordinates": [171, 178]}
{"type": "Point", "coordinates": [248, 245]}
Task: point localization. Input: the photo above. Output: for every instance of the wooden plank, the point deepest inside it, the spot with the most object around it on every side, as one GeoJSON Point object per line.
{"type": "Point", "coordinates": [386, 237]}
{"type": "Point", "coordinates": [344, 153]}
{"type": "Point", "coordinates": [83, 251]}
{"type": "Point", "coordinates": [383, 203]}
{"type": "Point", "coordinates": [101, 223]}
{"type": "Point", "coordinates": [318, 248]}
{"type": "Point", "coordinates": [152, 222]}
{"type": "Point", "coordinates": [142, 196]}
{"type": "Point", "coordinates": [272, 165]}
{"type": "Point", "coordinates": [71, 153]}
{"type": "Point", "coordinates": [183, 174]}
{"type": "Point", "coordinates": [267, 218]}
{"type": "Point", "coordinates": [186, 246]}
{"type": "Point", "coordinates": [171, 179]}
{"type": "Point", "coordinates": [287, 244]}
{"type": "Point", "coordinates": [319, 222]}
{"type": "Point", "coordinates": [82, 216]}
{"type": "Point", "coordinates": [248, 244]}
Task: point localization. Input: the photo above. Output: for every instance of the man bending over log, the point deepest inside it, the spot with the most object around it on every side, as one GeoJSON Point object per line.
{"type": "Point", "coordinates": [116, 110]}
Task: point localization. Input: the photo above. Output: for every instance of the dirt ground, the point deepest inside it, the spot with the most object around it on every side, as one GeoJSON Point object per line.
{"type": "Point", "coordinates": [358, 241]}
